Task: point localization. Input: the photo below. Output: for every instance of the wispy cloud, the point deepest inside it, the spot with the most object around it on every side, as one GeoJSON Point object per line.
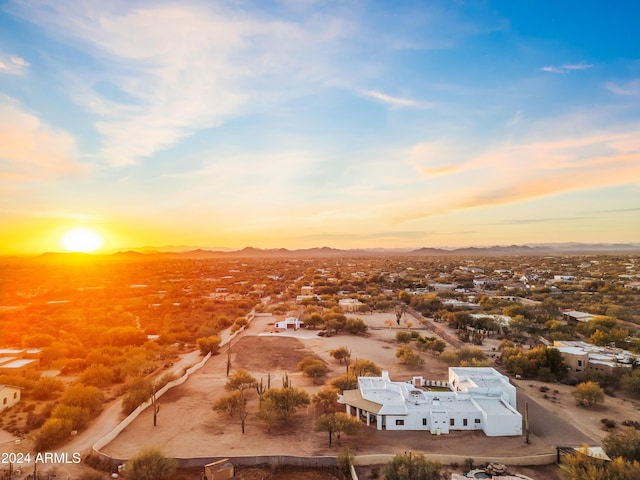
{"type": "Point", "coordinates": [533, 221]}
{"type": "Point", "coordinates": [30, 149]}
{"type": "Point", "coordinates": [629, 89]}
{"type": "Point", "coordinates": [13, 64]}
{"type": "Point", "coordinates": [516, 173]}
{"type": "Point", "coordinates": [395, 101]}
{"type": "Point", "coordinates": [566, 68]}
{"type": "Point", "coordinates": [186, 66]}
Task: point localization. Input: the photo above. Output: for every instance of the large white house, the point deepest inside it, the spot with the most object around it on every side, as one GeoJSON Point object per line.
{"type": "Point", "coordinates": [474, 398]}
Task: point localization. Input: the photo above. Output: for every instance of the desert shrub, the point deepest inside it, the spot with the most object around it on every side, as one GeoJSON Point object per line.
{"type": "Point", "coordinates": [47, 388]}
{"type": "Point", "coordinates": [588, 393]}
{"type": "Point", "coordinates": [138, 391]}
{"type": "Point", "coordinates": [209, 344]}
{"type": "Point", "coordinates": [151, 464]}
{"type": "Point", "coordinates": [83, 396]}
{"type": "Point", "coordinates": [407, 356]}
{"type": "Point", "coordinates": [52, 433]}
{"type": "Point", "coordinates": [313, 367]}
{"type": "Point", "coordinates": [403, 337]}
{"type": "Point", "coordinates": [98, 376]}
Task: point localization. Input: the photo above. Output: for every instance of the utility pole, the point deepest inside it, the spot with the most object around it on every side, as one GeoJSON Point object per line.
{"type": "Point", "coordinates": [228, 358]}
{"type": "Point", "coordinates": [526, 420]}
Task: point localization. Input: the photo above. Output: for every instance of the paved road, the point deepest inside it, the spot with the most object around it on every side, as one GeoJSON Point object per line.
{"type": "Point", "coordinates": [549, 427]}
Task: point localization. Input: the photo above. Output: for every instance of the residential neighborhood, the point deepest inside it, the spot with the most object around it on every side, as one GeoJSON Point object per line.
{"type": "Point", "coordinates": [455, 345]}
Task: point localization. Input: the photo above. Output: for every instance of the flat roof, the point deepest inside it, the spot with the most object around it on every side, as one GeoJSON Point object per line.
{"type": "Point", "coordinates": [17, 363]}
{"type": "Point", "coordinates": [494, 406]}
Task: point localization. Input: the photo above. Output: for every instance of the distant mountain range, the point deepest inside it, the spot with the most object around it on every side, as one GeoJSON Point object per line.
{"type": "Point", "coordinates": [535, 249]}
{"type": "Point", "coordinates": [252, 252]}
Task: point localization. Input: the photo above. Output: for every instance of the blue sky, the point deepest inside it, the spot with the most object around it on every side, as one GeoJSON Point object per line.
{"type": "Point", "coordinates": [301, 123]}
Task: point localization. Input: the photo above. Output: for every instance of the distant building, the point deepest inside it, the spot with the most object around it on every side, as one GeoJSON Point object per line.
{"type": "Point", "coordinates": [574, 316]}
{"type": "Point", "coordinates": [19, 361]}
{"type": "Point", "coordinates": [9, 396]}
{"type": "Point", "coordinates": [581, 357]}
{"type": "Point", "coordinates": [306, 290]}
{"type": "Point", "coordinates": [350, 304]}
{"type": "Point", "coordinates": [474, 398]}
{"type": "Point", "coordinates": [289, 322]}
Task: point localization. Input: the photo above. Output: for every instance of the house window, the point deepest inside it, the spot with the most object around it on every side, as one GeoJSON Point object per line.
{"type": "Point", "coordinates": [452, 422]}
{"type": "Point", "coordinates": [15, 394]}
{"type": "Point", "coordinates": [477, 420]}
{"type": "Point", "coordinates": [399, 422]}
{"type": "Point", "coordinates": [464, 422]}
{"type": "Point", "coordinates": [4, 401]}
{"type": "Point", "coordinates": [424, 421]}
{"type": "Point", "coordinates": [579, 363]}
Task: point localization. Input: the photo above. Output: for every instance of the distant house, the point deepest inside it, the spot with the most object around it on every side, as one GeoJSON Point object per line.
{"type": "Point", "coordinates": [574, 316]}
{"type": "Point", "coordinates": [289, 322]}
{"type": "Point", "coordinates": [582, 356]}
{"type": "Point", "coordinates": [474, 398]}
{"type": "Point", "coordinates": [19, 361]}
{"type": "Point", "coordinates": [9, 396]}
{"type": "Point", "coordinates": [306, 290]}
{"type": "Point", "coordinates": [302, 298]}
{"type": "Point", "coordinates": [350, 304]}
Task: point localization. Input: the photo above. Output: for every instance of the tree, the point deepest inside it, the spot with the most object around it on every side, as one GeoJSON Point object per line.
{"type": "Point", "coordinates": [400, 309]}
{"type": "Point", "coordinates": [408, 356]}
{"type": "Point", "coordinates": [241, 380]}
{"type": "Point", "coordinates": [237, 383]}
{"type": "Point", "coordinates": [355, 326]}
{"type": "Point", "coordinates": [403, 336]}
{"type": "Point", "coordinates": [588, 393]}
{"type": "Point", "coordinates": [631, 383]}
{"type": "Point", "coordinates": [344, 382]}
{"type": "Point", "coordinates": [342, 355]}
{"type": "Point", "coordinates": [327, 399]}
{"type": "Point", "coordinates": [583, 467]}
{"type": "Point", "coordinates": [46, 388]}
{"type": "Point", "coordinates": [314, 321]}
{"type": "Point", "coordinates": [209, 345]}
{"type": "Point", "coordinates": [85, 397]}
{"type": "Point", "coordinates": [54, 431]}
{"type": "Point", "coordinates": [233, 403]}
{"type": "Point", "coordinates": [151, 464]}
{"type": "Point", "coordinates": [625, 444]}
{"type": "Point", "coordinates": [337, 424]}
{"type": "Point", "coordinates": [77, 416]}
{"type": "Point", "coordinates": [364, 368]}
{"type": "Point", "coordinates": [412, 466]}
{"type": "Point", "coordinates": [98, 375]}
{"type": "Point", "coordinates": [313, 367]}
{"type": "Point", "coordinates": [138, 391]}
{"type": "Point", "coordinates": [279, 404]}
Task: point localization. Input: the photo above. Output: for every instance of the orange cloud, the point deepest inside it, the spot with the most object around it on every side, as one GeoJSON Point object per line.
{"type": "Point", "coordinates": [30, 149]}
{"type": "Point", "coordinates": [517, 173]}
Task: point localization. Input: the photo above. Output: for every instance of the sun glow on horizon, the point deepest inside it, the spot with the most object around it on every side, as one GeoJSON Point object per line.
{"type": "Point", "coordinates": [81, 239]}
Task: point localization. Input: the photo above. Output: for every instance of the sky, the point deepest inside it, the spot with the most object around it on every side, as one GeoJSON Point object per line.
{"type": "Point", "coordinates": [309, 123]}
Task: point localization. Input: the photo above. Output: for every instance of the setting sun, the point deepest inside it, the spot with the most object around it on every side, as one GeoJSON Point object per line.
{"type": "Point", "coordinates": [81, 239]}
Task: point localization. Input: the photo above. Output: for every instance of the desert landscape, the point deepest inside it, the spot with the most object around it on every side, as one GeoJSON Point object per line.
{"type": "Point", "coordinates": [188, 427]}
